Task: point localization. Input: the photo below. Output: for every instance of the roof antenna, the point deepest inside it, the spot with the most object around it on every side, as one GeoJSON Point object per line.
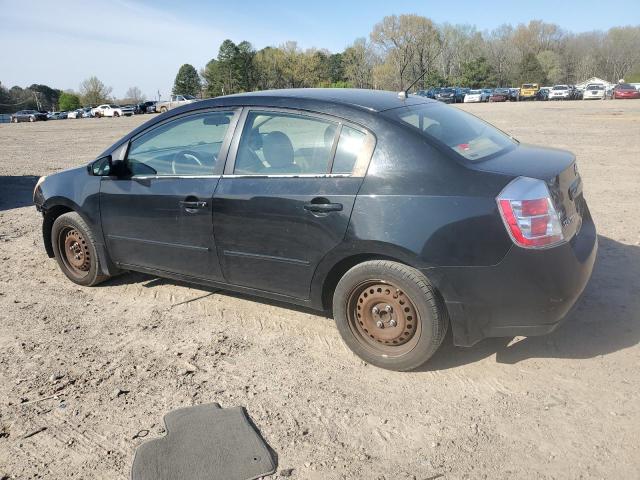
{"type": "Point", "coordinates": [405, 93]}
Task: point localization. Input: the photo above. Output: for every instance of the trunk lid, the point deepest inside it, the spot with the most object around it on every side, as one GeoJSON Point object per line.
{"type": "Point", "coordinates": [558, 168]}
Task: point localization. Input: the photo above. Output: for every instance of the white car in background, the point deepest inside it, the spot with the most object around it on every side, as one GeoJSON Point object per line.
{"type": "Point", "coordinates": [110, 110]}
{"type": "Point", "coordinates": [75, 113]}
{"type": "Point", "coordinates": [474, 96]}
{"type": "Point", "coordinates": [560, 92]}
{"type": "Point", "coordinates": [595, 91]}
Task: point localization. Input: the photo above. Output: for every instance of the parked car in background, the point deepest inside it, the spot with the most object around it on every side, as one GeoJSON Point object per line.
{"type": "Point", "coordinates": [128, 110]}
{"type": "Point", "coordinates": [53, 115]}
{"type": "Point", "coordinates": [460, 93]}
{"type": "Point", "coordinates": [499, 95]}
{"type": "Point", "coordinates": [109, 110]}
{"type": "Point", "coordinates": [63, 115]}
{"type": "Point", "coordinates": [28, 116]}
{"type": "Point", "coordinates": [594, 91]}
{"type": "Point", "coordinates": [86, 112]}
{"type": "Point", "coordinates": [528, 91]}
{"type": "Point", "coordinates": [175, 101]}
{"type": "Point", "coordinates": [474, 96]}
{"type": "Point", "coordinates": [472, 229]}
{"type": "Point", "coordinates": [576, 93]}
{"type": "Point", "coordinates": [446, 95]}
{"type": "Point", "coordinates": [543, 94]}
{"type": "Point", "coordinates": [514, 94]}
{"type": "Point", "coordinates": [624, 90]}
{"type": "Point", "coordinates": [486, 93]}
{"type": "Point", "coordinates": [147, 107]}
{"type": "Point", "coordinates": [75, 113]}
{"type": "Point", "coordinates": [560, 92]}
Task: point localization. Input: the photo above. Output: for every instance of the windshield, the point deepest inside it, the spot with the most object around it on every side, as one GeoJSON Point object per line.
{"type": "Point", "coordinates": [447, 90]}
{"type": "Point", "coordinates": [189, 97]}
{"type": "Point", "coordinates": [560, 87]}
{"type": "Point", "coordinates": [474, 92]}
{"type": "Point", "coordinates": [626, 86]}
{"type": "Point", "coordinates": [114, 106]}
{"type": "Point", "coordinates": [530, 85]}
{"type": "Point", "coordinates": [595, 87]}
{"type": "Point", "coordinates": [461, 132]}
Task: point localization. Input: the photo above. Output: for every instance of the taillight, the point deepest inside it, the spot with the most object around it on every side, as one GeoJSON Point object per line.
{"type": "Point", "coordinates": [529, 215]}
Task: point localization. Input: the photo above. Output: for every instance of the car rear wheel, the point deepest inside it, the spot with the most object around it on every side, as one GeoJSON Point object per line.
{"type": "Point", "coordinates": [389, 315]}
{"type": "Point", "coordinates": [75, 250]}
{"type": "Point", "coordinates": [163, 109]}
{"type": "Point", "coordinates": [116, 114]}
{"type": "Point", "coordinates": [32, 119]}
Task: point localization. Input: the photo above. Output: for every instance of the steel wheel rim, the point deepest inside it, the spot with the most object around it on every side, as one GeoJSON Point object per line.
{"type": "Point", "coordinates": [383, 318]}
{"type": "Point", "coordinates": [75, 252]}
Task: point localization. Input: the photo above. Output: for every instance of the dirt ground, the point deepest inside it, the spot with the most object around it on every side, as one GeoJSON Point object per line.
{"type": "Point", "coordinates": [82, 370]}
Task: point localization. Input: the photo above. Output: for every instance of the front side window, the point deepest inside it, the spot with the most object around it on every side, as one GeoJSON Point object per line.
{"type": "Point", "coordinates": [186, 146]}
{"type": "Point", "coordinates": [461, 132]}
{"type": "Point", "coordinates": [274, 143]}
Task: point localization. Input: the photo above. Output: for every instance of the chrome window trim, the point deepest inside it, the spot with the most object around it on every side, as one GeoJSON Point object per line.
{"type": "Point", "coordinates": [359, 169]}
{"type": "Point", "coordinates": [291, 175]}
{"type": "Point", "coordinates": [152, 177]}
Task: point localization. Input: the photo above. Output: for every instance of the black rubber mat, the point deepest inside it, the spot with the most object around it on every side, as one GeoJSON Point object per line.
{"type": "Point", "coordinates": [204, 442]}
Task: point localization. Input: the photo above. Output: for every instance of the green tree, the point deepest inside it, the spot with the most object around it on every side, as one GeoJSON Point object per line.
{"type": "Point", "coordinates": [530, 70]}
{"type": "Point", "coordinates": [68, 101]}
{"type": "Point", "coordinates": [476, 73]}
{"type": "Point", "coordinates": [187, 81]}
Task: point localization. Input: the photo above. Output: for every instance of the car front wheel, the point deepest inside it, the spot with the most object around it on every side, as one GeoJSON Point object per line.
{"type": "Point", "coordinates": [75, 250]}
{"type": "Point", "coordinates": [389, 315]}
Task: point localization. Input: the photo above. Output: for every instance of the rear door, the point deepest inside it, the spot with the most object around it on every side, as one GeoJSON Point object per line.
{"type": "Point", "coordinates": [159, 216]}
{"type": "Point", "coordinates": [286, 196]}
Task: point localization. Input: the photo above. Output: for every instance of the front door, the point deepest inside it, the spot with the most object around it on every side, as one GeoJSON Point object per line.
{"type": "Point", "coordinates": [160, 215]}
{"type": "Point", "coordinates": [285, 200]}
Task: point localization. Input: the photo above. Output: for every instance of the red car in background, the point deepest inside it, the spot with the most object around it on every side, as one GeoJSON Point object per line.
{"type": "Point", "coordinates": [499, 95]}
{"type": "Point", "coordinates": [624, 90]}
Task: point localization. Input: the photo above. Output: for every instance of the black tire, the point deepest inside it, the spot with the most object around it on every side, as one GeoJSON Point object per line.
{"type": "Point", "coordinates": [394, 287]}
{"type": "Point", "coordinates": [71, 235]}
{"type": "Point", "coordinates": [163, 109]}
{"type": "Point", "coordinates": [116, 114]}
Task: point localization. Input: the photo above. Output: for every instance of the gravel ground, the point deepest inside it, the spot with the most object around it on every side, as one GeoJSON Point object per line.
{"type": "Point", "coordinates": [82, 370]}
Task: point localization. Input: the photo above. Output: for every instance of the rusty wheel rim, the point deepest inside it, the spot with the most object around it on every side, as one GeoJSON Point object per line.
{"type": "Point", "coordinates": [383, 318]}
{"type": "Point", "coordinates": [75, 252]}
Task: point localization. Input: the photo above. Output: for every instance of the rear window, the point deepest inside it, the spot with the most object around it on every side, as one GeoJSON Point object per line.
{"type": "Point", "coordinates": [461, 132]}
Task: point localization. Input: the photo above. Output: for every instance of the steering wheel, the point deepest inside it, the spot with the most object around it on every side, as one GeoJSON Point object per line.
{"type": "Point", "coordinates": [189, 155]}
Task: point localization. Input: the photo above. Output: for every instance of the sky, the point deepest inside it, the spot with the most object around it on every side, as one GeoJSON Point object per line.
{"type": "Point", "coordinates": [142, 43]}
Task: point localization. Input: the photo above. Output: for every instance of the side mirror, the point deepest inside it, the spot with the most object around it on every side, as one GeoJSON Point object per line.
{"type": "Point", "coordinates": [101, 167]}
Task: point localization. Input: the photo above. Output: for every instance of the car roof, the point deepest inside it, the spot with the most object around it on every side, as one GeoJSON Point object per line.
{"type": "Point", "coordinates": [370, 100]}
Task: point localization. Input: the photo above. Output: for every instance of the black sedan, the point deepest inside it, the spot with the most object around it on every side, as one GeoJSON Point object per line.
{"type": "Point", "coordinates": [28, 116]}
{"type": "Point", "coordinates": [401, 215]}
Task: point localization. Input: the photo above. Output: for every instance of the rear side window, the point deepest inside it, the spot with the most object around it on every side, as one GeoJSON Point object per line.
{"type": "Point", "coordinates": [461, 132]}
{"type": "Point", "coordinates": [275, 143]}
{"type": "Point", "coordinates": [350, 145]}
{"type": "Point", "coordinates": [185, 146]}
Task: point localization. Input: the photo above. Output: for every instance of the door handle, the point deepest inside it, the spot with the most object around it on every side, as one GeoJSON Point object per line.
{"type": "Point", "coordinates": [191, 206]}
{"type": "Point", "coordinates": [323, 207]}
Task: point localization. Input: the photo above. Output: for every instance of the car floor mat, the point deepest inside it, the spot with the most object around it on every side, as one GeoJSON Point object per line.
{"type": "Point", "coordinates": [204, 442]}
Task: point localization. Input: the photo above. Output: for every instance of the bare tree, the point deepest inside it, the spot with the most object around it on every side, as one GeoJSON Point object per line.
{"type": "Point", "coordinates": [94, 92]}
{"type": "Point", "coordinates": [135, 95]}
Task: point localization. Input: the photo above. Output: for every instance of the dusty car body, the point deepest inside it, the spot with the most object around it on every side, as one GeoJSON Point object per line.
{"type": "Point", "coordinates": [174, 102]}
{"type": "Point", "coordinates": [400, 215]}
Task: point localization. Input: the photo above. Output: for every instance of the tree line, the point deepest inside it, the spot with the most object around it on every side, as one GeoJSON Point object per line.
{"type": "Point", "coordinates": [42, 97]}
{"type": "Point", "coordinates": [396, 52]}
{"type": "Point", "coordinates": [401, 47]}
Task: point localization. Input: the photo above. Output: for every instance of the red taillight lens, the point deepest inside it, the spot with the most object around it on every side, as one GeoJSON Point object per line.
{"type": "Point", "coordinates": [535, 207]}
{"type": "Point", "coordinates": [529, 215]}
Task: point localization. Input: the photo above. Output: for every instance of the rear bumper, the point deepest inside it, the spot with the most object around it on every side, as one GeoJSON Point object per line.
{"type": "Point", "coordinates": [528, 293]}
